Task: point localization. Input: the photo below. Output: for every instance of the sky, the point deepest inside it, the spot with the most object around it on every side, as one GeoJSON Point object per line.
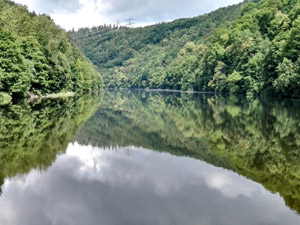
{"type": "Point", "coordinates": [87, 13]}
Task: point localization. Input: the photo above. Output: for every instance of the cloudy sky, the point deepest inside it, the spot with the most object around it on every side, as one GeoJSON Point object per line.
{"type": "Point", "coordinates": [87, 13]}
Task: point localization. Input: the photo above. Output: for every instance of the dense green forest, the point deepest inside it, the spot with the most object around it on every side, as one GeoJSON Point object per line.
{"type": "Point", "coordinates": [259, 139]}
{"type": "Point", "coordinates": [32, 134]}
{"type": "Point", "coordinates": [249, 48]}
{"type": "Point", "coordinates": [37, 57]}
{"type": "Point", "coordinates": [138, 58]}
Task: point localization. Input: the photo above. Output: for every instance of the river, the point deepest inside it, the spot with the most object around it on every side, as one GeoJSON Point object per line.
{"type": "Point", "coordinates": [140, 157]}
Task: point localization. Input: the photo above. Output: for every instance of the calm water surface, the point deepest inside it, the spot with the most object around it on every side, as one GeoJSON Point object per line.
{"type": "Point", "coordinates": [139, 158]}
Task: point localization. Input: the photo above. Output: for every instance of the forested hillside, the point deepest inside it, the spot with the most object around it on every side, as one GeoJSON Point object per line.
{"type": "Point", "coordinates": [37, 57]}
{"type": "Point", "coordinates": [259, 54]}
{"type": "Point", "coordinates": [139, 57]}
{"type": "Point", "coordinates": [249, 48]}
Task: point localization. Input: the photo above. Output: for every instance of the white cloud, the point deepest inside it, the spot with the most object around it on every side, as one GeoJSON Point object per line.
{"type": "Point", "coordinates": [87, 13]}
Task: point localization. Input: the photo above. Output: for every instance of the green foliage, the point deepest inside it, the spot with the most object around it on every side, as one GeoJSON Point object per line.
{"type": "Point", "coordinates": [288, 80]}
{"type": "Point", "coordinates": [37, 57]}
{"type": "Point", "coordinates": [5, 98]}
{"type": "Point", "coordinates": [234, 81]}
{"type": "Point", "coordinates": [218, 82]}
{"type": "Point", "coordinates": [251, 48]}
{"type": "Point", "coordinates": [164, 55]}
{"type": "Point", "coordinates": [181, 75]}
{"type": "Point", "coordinates": [260, 55]}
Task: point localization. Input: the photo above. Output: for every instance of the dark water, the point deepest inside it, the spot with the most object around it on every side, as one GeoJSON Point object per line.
{"type": "Point", "coordinates": [139, 158]}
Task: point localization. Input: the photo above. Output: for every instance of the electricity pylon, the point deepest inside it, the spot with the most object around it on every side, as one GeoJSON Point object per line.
{"type": "Point", "coordinates": [129, 21]}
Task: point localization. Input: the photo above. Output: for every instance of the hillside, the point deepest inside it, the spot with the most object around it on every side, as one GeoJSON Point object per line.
{"type": "Point", "coordinates": [250, 48]}
{"type": "Point", "coordinates": [37, 57]}
{"type": "Point", "coordinates": [259, 54]}
{"type": "Point", "coordinates": [139, 57]}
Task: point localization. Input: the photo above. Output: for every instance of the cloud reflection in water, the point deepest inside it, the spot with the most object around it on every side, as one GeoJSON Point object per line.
{"type": "Point", "coordinates": [137, 186]}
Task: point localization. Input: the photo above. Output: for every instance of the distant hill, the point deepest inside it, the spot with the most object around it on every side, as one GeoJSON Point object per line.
{"type": "Point", "coordinates": [38, 57]}
{"type": "Point", "coordinates": [250, 48]}
{"type": "Point", "coordinates": [139, 57]}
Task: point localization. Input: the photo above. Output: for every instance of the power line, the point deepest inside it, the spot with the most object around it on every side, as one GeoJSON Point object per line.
{"type": "Point", "coordinates": [129, 20]}
{"type": "Point", "coordinates": [86, 35]}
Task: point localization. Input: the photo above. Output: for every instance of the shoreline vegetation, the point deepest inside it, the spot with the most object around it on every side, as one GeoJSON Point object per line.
{"type": "Point", "coordinates": [37, 58]}
{"type": "Point", "coordinates": [251, 48]}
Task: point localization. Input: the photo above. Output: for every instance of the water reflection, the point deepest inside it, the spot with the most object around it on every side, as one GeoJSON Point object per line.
{"type": "Point", "coordinates": [137, 186]}
{"type": "Point", "coordinates": [150, 158]}
{"type": "Point", "coordinates": [259, 139]}
{"type": "Point", "coordinates": [33, 133]}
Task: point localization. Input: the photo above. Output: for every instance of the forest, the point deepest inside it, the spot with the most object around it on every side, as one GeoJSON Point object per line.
{"type": "Point", "coordinates": [251, 48]}
{"type": "Point", "coordinates": [38, 58]}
